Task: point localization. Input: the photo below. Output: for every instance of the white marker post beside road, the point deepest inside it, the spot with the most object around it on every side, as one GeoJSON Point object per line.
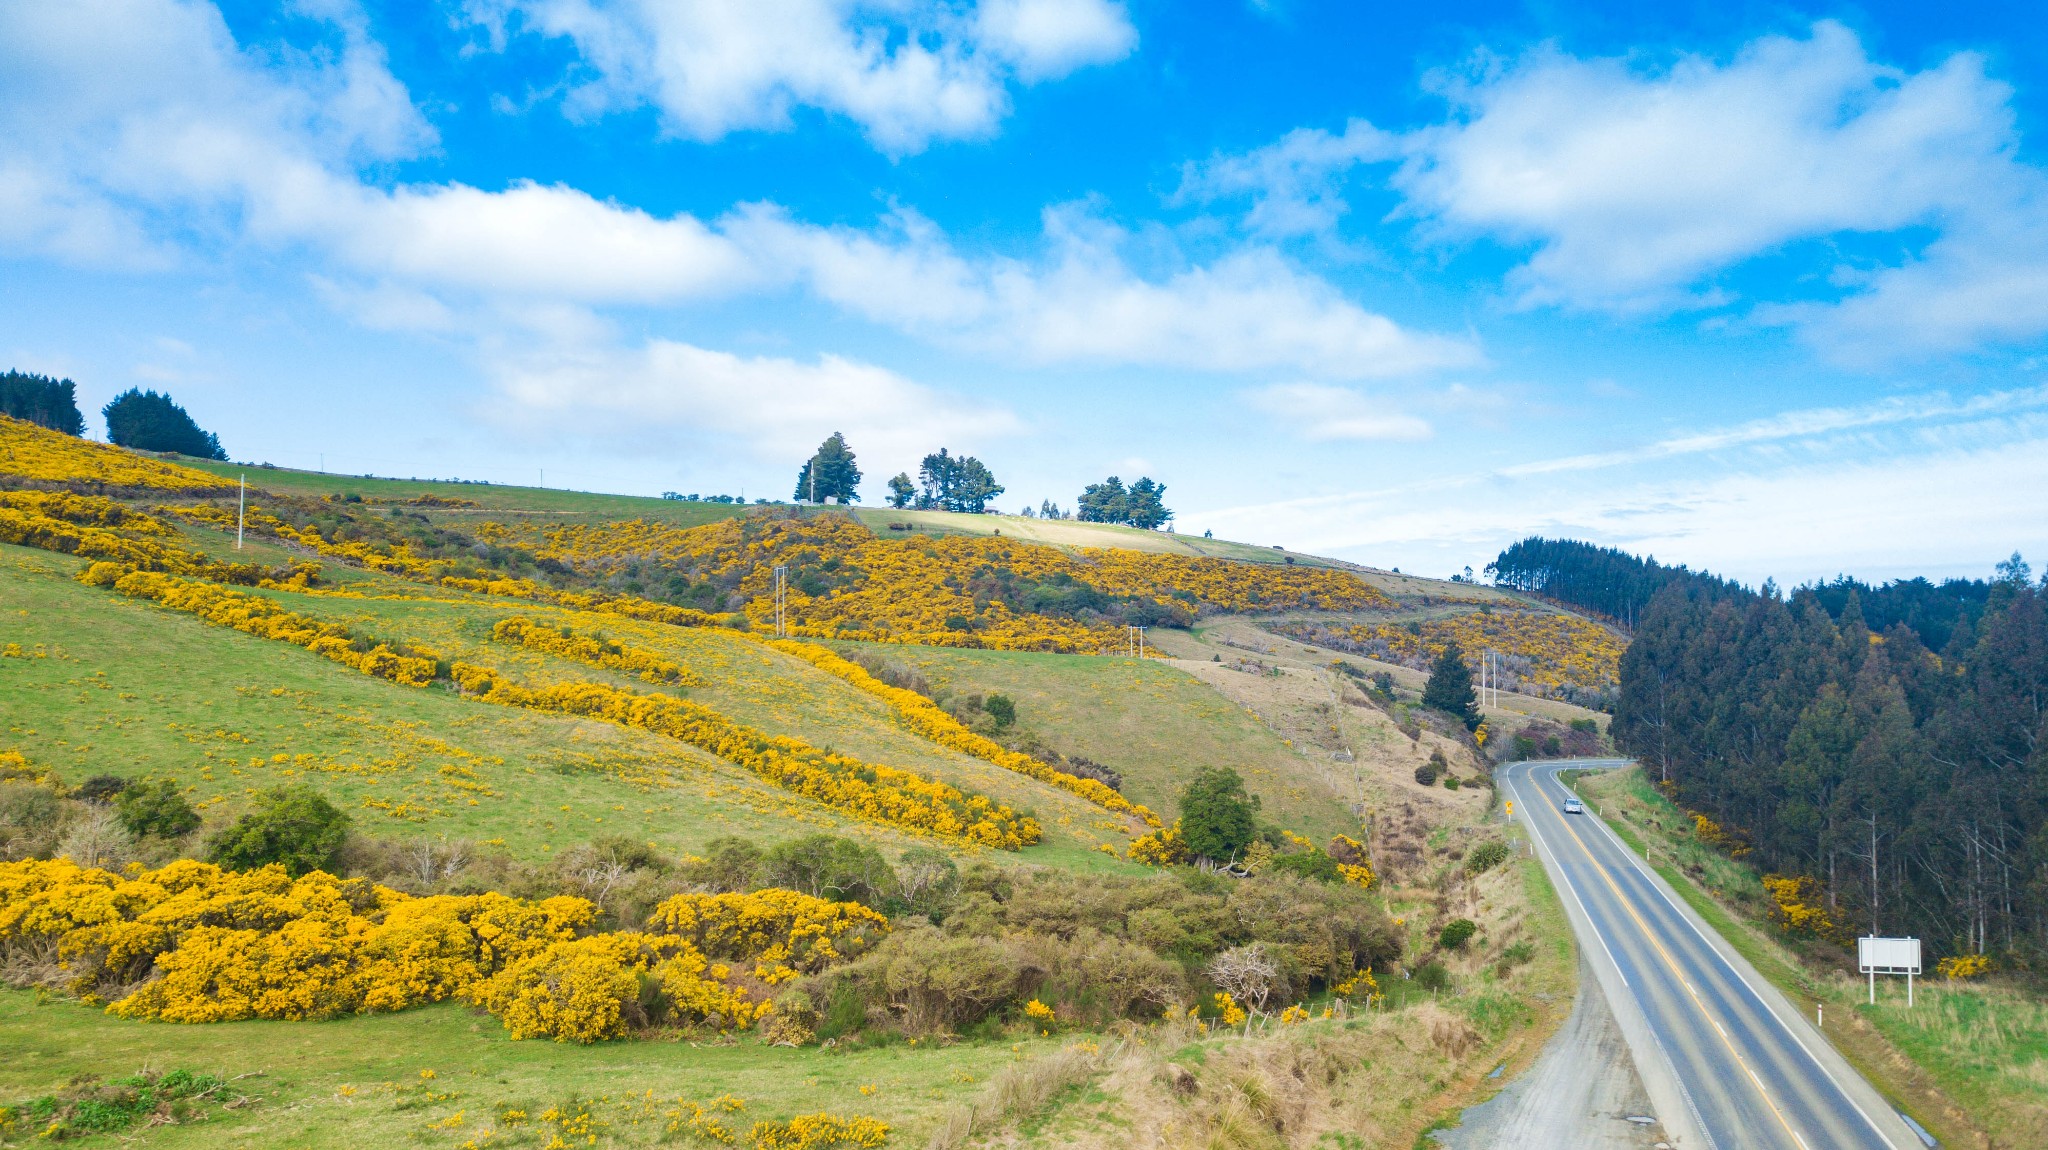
{"type": "Point", "coordinates": [1875, 956]}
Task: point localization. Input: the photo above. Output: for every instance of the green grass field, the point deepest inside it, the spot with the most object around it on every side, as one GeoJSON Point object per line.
{"type": "Point", "coordinates": [357, 1082]}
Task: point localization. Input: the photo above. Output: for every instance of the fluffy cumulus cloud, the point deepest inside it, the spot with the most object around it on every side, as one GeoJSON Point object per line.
{"type": "Point", "coordinates": [1083, 302]}
{"type": "Point", "coordinates": [907, 73]}
{"type": "Point", "coordinates": [203, 145]}
{"type": "Point", "coordinates": [1632, 185]}
{"type": "Point", "coordinates": [1636, 188]}
{"type": "Point", "coordinates": [664, 391]}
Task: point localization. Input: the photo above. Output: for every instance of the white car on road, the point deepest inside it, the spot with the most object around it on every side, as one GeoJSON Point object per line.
{"type": "Point", "coordinates": [1574, 807]}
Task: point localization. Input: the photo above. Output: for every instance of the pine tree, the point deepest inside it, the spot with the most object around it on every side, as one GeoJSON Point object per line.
{"type": "Point", "coordinates": [831, 474]}
{"type": "Point", "coordinates": [1104, 502]}
{"type": "Point", "coordinates": [1450, 688]}
{"type": "Point", "coordinates": [901, 490]}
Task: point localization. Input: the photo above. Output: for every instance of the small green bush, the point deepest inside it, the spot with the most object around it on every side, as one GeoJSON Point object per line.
{"type": "Point", "coordinates": [1432, 976]}
{"type": "Point", "coordinates": [294, 826]}
{"type": "Point", "coordinates": [1486, 856]}
{"type": "Point", "coordinates": [100, 788]}
{"type": "Point", "coordinates": [1456, 933]}
{"type": "Point", "coordinates": [1451, 783]}
{"type": "Point", "coordinates": [157, 808]}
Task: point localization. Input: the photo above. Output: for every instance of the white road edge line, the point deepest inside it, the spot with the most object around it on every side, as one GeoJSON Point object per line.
{"type": "Point", "coordinates": [1651, 878]}
{"type": "Point", "coordinates": [1684, 1092]}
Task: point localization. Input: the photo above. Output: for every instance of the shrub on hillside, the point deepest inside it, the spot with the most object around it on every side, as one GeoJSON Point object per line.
{"type": "Point", "coordinates": [1216, 814]}
{"type": "Point", "coordinates": [1486, 856]}
{"type": "Point", "coordinates": [156, 808]}
{"type": "Point", "coordinates": [295, 827]}
{"type": "Point", "coordinates": [1456, 933]}
{"type": "Point", "coordinates": [827, 866]}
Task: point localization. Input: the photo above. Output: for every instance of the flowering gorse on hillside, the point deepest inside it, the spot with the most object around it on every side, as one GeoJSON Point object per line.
{"type": "Point", "coordinates": [30, 451]}
{"type": "Point", "coordinates": [1543, 652]}
{"type": "Point", "coordinates": [190, 942]}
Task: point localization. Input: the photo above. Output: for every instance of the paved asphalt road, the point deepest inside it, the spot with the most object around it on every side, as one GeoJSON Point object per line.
{"type": "Point", "coordinates": [1725, 1057]}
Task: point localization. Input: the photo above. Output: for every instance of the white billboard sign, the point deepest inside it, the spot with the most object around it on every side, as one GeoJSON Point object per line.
{"type": "Point", "coordinates": [1888, 955]}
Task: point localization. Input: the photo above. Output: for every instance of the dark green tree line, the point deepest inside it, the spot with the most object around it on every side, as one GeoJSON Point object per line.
{"type": "Point", "coordinates": [1912, 784]}
{"type": "Point", "coordinates": [53, 403]}
{"type": "Point", "coordinates": [147, 421]}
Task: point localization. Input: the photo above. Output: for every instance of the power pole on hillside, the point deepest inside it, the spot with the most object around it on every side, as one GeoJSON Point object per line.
{"type": "Point", "coordinates": [781, 599]}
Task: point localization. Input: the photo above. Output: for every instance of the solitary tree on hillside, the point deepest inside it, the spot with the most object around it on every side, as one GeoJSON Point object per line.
{"type": "Point", "coordinates": [1143, 507]}
{"type": "Point", "coordinates": [1216, 814]}
{"type": "Point", "coordinates": [830, 474]}
{"type": "Point", "coordinates": [1450, 687]}
{"type": "Point", "coordinates": [53, 403]}
{"type": "Point", "coordinates": [901, 490]}
{"type": "Point", "coordinates": [147, 421]}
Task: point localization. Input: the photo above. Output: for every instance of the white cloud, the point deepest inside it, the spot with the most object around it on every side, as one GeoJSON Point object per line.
{"type": "Point", "coordinates": [1084, 303]}
{"type": "Point", "coordinates": [1320, 413]}
{"type": "Point", "coordinates": [206, 146]}
{"type": "Point", "coordinates": [1295, 183]}
{"type": "Point", "coordinates": [1638, 188]}
{"type": "Point", "coordinates": [1633, 185]}
{"type": "Point", "coordinates": [907, 72]}
{"type": "Point", "coordinates": [665, 394]}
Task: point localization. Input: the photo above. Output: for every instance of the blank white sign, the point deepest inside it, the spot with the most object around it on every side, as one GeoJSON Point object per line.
{"type": "Point", "coordinates": [1888, 955]}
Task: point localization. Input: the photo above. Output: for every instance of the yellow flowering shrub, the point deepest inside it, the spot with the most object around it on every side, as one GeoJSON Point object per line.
{"type": "Point", "coordinates": [578, 990]}
{"type": "Point", "coordinates": [866, 790]}
{"type": "Point", "coordinates": [216, 945]}
{"type": "Point", "coordinates": [93, 527]}
{"type": "Point", "coordinates": [1360, 985]}
{"type": "Point", "coordinates": [1352, 860]}
{"type": "Point", "coordinates": [1961, 967]}
{"type": "Point", "coordinates": [31, 451]}
{"type": "Point", "coordinates": [595, 651]}
{"type": "Point", "coordinates": [1228, 1010]}
{"type": "Point", "coordinates": [1798, 907]}
{"type": "Point", "coordinates": [819, 1132]}
{"type": "Point", "coordinates": [928, 719]}
{"type": "Point", "coordinates": [1160, 848]}
{"type": "Point", "coordinates": [1545, 652]}
{"type": "Point", "coordinates": [1294, 1015]}
{"type": "Point", "coordinates": [783, 933]}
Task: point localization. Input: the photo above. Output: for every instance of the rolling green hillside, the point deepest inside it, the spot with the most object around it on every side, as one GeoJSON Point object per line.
{"type": "Point", "coordinates": [610, 750]}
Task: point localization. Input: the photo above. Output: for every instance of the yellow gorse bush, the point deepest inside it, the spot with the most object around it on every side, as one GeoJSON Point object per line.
{"type": "Point", "coordinates": [1160, 848]}
{"type": "Point", "coordinates": [1562, 650]}
{"type": "Point", "coordinates": [866, 790]}
{"type": "Point", "coordinates": [596, 651]}
{"type": "Point", "coordinates": [784, 933]}
{"type": "Point", "coordinates": [928, 719]}
{"type": "Point", "coordinates": [1798, 905]}
{"type": "Point", "coordinates": [94, 527]}
{"type": "Point", "coordinates": [34, 452]}
{"type": "Point", "coordinates": [1961, 967]}
{"type": "Point", "coordinates": [218, 945]}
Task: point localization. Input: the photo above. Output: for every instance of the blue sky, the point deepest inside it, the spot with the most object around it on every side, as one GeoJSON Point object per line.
{"type": "Point", "coordinates": [1758, 288]}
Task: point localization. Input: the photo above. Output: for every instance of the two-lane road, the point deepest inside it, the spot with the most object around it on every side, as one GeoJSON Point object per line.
{"type": "Point", "coordinates": [1727, 1060]}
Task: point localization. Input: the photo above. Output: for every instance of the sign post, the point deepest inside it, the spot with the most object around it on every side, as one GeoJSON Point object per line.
{"type": "Point", "coordinates": [1875, 956]}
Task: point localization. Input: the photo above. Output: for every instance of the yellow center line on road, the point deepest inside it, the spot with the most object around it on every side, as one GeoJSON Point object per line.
{"type": "Point", "coordinates": [1676, 973]}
